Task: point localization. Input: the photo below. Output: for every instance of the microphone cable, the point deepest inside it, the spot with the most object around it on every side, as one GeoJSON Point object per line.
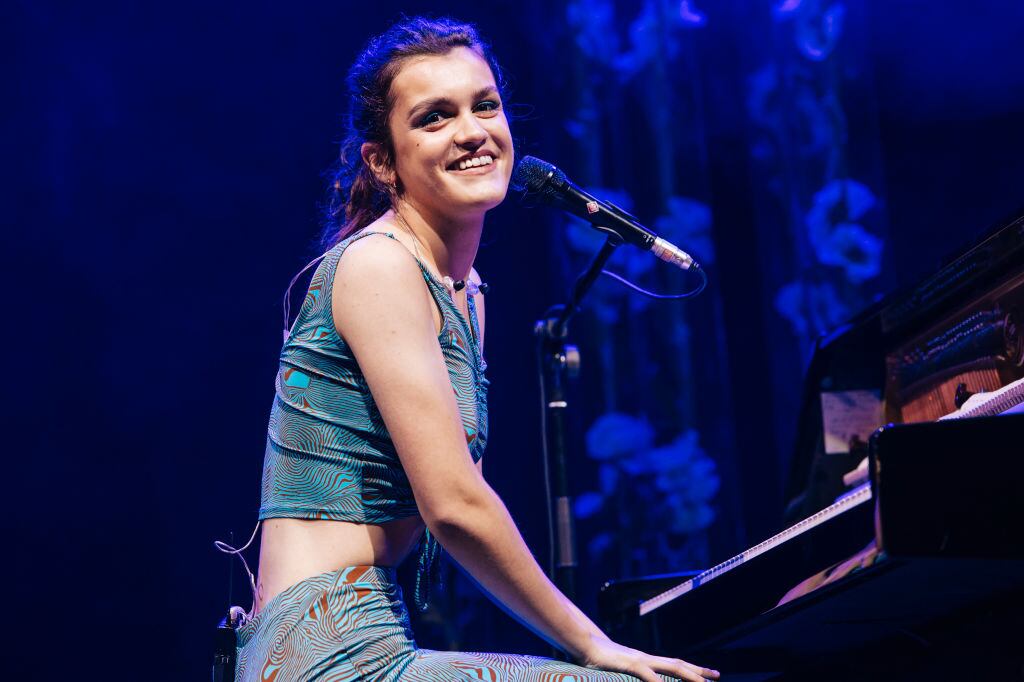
{"type": "Point", "coordinates": [688, 294]}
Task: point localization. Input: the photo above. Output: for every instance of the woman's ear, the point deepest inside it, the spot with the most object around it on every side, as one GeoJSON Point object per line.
{"type": "Point", "coordinates": [376, 160]}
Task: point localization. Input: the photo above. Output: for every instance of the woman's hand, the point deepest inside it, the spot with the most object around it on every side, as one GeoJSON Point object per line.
{"type": "Point", "coordinates": [605, 654]}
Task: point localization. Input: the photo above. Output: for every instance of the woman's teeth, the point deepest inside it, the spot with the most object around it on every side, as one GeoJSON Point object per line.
{"type": "Point", "coordinates": [478, 161]}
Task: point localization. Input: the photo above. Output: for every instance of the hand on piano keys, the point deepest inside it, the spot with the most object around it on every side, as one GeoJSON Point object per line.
{"type": "Point", "coordinates": [605, 654]}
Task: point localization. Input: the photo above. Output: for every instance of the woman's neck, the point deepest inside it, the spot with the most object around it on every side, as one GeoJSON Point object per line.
{"type": "Point", "coordinates": [448, 245]}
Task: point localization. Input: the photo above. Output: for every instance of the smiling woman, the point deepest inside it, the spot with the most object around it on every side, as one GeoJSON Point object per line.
{"type": "Point", "coordinates": [380, 416]}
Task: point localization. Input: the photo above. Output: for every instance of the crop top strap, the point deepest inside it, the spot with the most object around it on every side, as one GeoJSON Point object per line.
{"type": "Point", "coordinates": [474, 327]}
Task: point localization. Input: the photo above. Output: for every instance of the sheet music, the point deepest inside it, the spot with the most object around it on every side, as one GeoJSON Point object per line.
{"type": "Point", "coordinates": [847, 415]}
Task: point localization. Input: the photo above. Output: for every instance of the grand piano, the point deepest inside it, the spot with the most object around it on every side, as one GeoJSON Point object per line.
{"type": "Point", "coordinates": [901, 551]}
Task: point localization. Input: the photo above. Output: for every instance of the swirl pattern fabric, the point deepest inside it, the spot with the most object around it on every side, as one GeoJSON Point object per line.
{"type": "Point", "coordinates": [351, 625]}
{"type": "Point", "coordinates": [328, 453]}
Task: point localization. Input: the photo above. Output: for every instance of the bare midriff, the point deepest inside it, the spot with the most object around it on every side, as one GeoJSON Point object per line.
{"type": "Point", "coordinates": [292, 550]}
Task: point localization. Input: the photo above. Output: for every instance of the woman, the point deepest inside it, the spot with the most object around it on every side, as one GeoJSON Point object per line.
{"type": "Point", "coordinates": [379, 420]}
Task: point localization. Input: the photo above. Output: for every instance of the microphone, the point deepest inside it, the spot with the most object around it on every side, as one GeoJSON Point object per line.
{"type": "Point", "coordinates": [551, 186]}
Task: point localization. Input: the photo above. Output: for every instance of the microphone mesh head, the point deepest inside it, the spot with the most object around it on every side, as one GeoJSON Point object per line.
{"type": "Point", "coordinates": [534, 176]}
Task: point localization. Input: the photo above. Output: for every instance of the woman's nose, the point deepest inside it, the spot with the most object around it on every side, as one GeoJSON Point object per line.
{"type": "Point", "coordinates": [470, 133]}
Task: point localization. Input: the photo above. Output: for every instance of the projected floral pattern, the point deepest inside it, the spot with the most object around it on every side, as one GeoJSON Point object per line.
{"type": "Point", "coordinates": [657, 498]}
{"type": "Point", "coordinates": [801, 151]}
{"type": "Point", "coordinates": [830, 207]}
{"type": "Point", "coordinates": [593, 25]}
{"type": "Point", "coordinates": [655, 485]}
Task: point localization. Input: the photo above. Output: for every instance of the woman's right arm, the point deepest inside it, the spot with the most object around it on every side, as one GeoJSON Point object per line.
{"type": "Point", "coordinates": [383, 310]}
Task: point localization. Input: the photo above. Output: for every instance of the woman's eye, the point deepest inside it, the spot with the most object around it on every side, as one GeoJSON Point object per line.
{"type": "Point", "coordinates": [431, 118]}
{"type": "Point", "coordinates": [434, 117]}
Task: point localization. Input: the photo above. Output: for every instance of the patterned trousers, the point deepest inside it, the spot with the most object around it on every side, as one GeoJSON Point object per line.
{"type": "Point", "coordinates": [351, 624]}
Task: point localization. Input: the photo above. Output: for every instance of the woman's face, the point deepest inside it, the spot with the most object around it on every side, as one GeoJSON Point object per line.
{"type": "Point", "coordinates": [447, 111]}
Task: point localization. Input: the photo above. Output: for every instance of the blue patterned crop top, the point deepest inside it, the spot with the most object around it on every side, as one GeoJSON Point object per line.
{"type": "Point", "coordinates": [328, 454]}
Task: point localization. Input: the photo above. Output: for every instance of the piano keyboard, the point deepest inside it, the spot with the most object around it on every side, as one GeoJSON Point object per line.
{"type": "Point", "coordinates": [854, 498]}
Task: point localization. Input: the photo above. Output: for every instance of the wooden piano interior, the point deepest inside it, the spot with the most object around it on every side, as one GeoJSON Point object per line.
{"type": "Point", "coordinates": [980, 345]}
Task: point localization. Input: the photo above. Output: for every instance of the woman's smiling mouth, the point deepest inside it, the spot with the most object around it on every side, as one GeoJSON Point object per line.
{"type": "Point", "coordinates": [480, 164]}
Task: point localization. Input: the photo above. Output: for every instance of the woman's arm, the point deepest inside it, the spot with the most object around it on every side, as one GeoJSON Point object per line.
{"type": "Point", "coordinates": [383, 311]}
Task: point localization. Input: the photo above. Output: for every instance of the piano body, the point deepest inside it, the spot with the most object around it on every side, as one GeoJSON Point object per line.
{"type": "Point", "coordinates": [943, 504]}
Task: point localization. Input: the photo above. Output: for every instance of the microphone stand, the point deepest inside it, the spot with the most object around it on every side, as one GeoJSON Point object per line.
{"type": "Point", "coordinates": [559, 361]}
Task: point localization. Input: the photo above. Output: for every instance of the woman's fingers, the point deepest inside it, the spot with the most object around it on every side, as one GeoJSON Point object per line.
{"type": "Point", "coordinates": [655, 674]}
{"type": "Point", "coordinates": [647, 675]}
{"type": "Point", "coordinates": [685, 670]}
{"type": "Point", "coordinates": [607, 655]}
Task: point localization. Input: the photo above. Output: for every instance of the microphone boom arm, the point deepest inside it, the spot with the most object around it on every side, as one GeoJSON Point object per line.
{"type": "Point", "coordinates": [586, 280]}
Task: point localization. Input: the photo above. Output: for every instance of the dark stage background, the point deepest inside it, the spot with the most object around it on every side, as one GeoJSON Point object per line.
{"type": "Point", "coordinates": [162, 179]}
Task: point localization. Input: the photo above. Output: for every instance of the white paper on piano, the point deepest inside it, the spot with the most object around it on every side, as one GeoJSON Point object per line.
{"type": "Point", "coordinates": [849, 414]}
{"type": "Point", "coordinates": [991, 403]}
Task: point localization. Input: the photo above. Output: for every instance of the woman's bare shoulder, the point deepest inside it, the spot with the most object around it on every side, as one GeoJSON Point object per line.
{"type": "Point", "coordinates": [376, 260]}
{"type": "Point", "coordinates": [379, 286]}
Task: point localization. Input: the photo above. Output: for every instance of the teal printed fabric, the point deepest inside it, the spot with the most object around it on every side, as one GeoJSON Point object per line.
{"type": "Point", "coordinates": [328, 453]}
{"type": "Point", "coordinates": [351, 624]}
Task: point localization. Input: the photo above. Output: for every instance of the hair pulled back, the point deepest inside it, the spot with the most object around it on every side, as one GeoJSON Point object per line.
{"type": "Point", "coordinates": [355, 196]}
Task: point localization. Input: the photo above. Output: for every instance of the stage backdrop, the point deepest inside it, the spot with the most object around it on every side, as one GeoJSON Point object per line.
{"type": "Point", "coordinates": [162, 186]}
